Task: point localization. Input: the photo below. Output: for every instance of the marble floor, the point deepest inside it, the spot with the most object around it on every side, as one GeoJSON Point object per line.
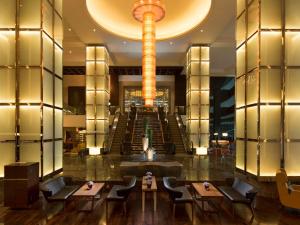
{"type": "Point", "coordinates": [107, 167]}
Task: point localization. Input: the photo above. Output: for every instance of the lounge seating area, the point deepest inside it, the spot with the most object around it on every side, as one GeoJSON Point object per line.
{"type": "Point", "coordinates": [149, 112]}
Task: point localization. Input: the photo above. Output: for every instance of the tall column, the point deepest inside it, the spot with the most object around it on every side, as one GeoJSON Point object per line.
{"type": "Point", "coordinates": [197, 112]}
{"type": "Point", "coordinates": [31, 108]}
{"type": "Point", "coordinates": [267, 87]}
{"type": "Point", "coordinates": [97, 96]}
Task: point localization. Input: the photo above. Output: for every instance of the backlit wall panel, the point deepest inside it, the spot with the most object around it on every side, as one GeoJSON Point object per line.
{"type": "Point", "coordinates": [97, 96]}
{"type": "Point", "coordinates": [267, 86]}
{"type": "Point", "coordinates": [31, 35]}
{"type": "Point", "coordinates": [197, 120]}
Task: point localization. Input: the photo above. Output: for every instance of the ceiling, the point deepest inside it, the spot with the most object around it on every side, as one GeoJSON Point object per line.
{"type": "Point", "coordinates": [217, 29]}
{"type": "Point", "coordinates": [174, 23]}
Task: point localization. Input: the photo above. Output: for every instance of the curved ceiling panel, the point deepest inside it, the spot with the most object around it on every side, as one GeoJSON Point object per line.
{"type": "Point", "coordinates": [116, 17]}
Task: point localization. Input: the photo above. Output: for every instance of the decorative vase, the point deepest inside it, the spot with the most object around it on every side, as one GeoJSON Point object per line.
{"type": "Point", "coordinates": [145, 142]}
{"type": "Point", "coordinates": [149, 183]}
{"type": "Point", "coordinates": [90, 185]}
{"type": "Point", "coordinates": [148, 173]}
{"type": "Point", "coordinates": [206, 186]}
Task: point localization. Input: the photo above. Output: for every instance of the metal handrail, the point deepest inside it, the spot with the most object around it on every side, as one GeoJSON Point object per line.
{"type": "Point", "coordinates": [114, 127]}
{"type": "Point", "coordinates": [133, 127]}
{"type": "Point", "coordinates": [160, 126]}
{"type": "Point", "coordinates": [186, 142]}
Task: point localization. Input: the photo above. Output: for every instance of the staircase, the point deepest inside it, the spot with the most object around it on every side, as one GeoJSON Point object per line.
{"type": "Point", "coordinates": [119, 134]}
{"type": "Point", "coordinates": [175, 134]}
{"type": "Point", "coordinates": [155, 125]}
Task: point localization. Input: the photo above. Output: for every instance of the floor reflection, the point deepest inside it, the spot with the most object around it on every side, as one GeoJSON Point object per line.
{"type": "Point", "coordinates": [107, 167]}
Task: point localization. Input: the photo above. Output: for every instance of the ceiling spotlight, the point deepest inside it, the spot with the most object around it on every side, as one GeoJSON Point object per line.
{"type": "Point", "coordinates": [94, 30]}
{"type": "Point", "coordinates": [201, 31]}
{"type": "Point", "coordinates": [69, 29]}
{"type": "Point", "coordinates": [171, 43]}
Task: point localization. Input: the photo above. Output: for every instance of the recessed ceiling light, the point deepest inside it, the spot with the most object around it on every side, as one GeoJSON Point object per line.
{"type": "Point", "coordinates": [201, 31]}
{"type": "Point", "coordinates": [69, 29]}
{"type": "Point", "coordinates": [94, 30]}
{"type": "Point", "coordinates": [171, 43]}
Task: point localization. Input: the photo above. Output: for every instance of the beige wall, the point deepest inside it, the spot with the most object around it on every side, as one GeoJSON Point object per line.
{"type": "Point", "coordinates": [72, 81]}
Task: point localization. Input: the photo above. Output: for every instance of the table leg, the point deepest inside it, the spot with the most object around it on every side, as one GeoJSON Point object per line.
{"type": "Point", "coordinates": [93, 202]}
{"type": "Point", "coordinates": [154, 197]}
{"type": "Point", "coordinates": [143, 201]}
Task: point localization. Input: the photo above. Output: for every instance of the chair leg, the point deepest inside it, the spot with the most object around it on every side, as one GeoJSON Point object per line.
{"type": "Point", "coordinates": [193, 213]}
{"type": "Point", "coordinates": [174, 206]}
{"type": "Point", "coordinates": [106, 212]}
{"type": "Point", "coordinates": [252, 212]}
{"type": "Point", "coordinates": [124, 208]}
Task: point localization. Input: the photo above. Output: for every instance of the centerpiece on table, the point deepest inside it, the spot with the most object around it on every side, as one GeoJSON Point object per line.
{"type": "Point", "coordinates": [149, 179]}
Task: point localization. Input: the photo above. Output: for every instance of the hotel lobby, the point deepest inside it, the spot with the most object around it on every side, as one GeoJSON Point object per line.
{"type": "Point", "coordinates": [149, 112]}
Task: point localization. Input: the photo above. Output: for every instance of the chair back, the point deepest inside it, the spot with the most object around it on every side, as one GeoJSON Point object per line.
{"type": "Point", "coordinates": [282, 185]}
{"type": "Point", "coordinates": [52, 186]}
{"type": "Point", "coordinates": [245, 189]}
{"type": "Point", "coordinates": [124, 192]}
{"type": "Point", "coordinates": [168, 182]}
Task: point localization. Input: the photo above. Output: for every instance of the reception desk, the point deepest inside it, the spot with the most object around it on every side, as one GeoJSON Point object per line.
{"type": "Point", "coordinates": [159, 169]}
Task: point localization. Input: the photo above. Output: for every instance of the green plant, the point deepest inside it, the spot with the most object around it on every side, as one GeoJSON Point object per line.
{"type": "Point", "coordinates": [149, 135]}
{"type": "Point", "coordinates": [146, 126]}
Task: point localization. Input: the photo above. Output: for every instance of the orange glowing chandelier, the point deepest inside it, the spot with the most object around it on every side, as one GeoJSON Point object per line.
{"type": "Point", "coordinates": [149, 12]}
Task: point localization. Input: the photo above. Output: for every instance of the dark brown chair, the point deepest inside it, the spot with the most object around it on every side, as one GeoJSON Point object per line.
{"type": "Point", "coordinates": [240, 192]}
{"type": "Point", "coordinates": [120, 193]}
{"type": "Point", "coordinates": [178, 194]}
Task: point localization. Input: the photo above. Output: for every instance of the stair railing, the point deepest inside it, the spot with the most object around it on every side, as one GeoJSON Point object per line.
{"type": "Point", "coordinates": [161, 129]}
{"type": "Point", "coordinates": [114, 128]}
{"type": "Point", "coordinates": [188, 145]}
{"type": "Point", "coordinates": [133, 127]}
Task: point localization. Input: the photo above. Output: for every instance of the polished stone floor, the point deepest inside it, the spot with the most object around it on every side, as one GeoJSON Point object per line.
{"type": "Point", "coordinates": [107, 167]}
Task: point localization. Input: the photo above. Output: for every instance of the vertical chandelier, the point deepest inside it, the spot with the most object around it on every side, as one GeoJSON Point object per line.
{"type": "Point", "coordinates": [149, 12]}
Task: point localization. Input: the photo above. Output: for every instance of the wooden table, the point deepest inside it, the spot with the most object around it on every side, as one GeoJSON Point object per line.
{"type": "Point", "coordinates": [152, 189]}
{"type": "Point", "coordinates": [208, 196]}
{"type": "Point", "coordinates": [89, 195]}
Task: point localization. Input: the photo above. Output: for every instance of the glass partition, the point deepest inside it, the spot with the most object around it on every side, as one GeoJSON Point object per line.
{"type": "Point", "coordinates": [31, 94]}
{"type": "Point", "coordinates": [267, 86]}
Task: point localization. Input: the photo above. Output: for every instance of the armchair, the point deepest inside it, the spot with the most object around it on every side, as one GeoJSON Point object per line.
{"type": "Point", "coordinates": [120, 193]}
{"type": "Point", "coordinates": [289, 195]}
{"type": "Point", "coordinates": [178, 194]}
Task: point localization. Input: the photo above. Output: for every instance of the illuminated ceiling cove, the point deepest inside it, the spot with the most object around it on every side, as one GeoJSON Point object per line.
{"type": "Point", "coordinates": [116, 17]}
